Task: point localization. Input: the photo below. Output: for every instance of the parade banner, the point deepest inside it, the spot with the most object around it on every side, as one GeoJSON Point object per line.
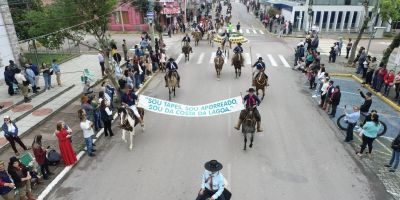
{"type": "Point", "coordinates": [176, 109]}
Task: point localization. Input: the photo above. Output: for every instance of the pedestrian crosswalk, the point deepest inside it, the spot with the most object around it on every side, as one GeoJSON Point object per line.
{"type": "Point", "coordinates": [246, 31]}
{"type": "Point", "coordinates": [202, 58]}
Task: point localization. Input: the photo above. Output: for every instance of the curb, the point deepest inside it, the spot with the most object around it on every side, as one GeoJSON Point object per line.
{"type": "Point", "coordinates": [67, 170]}
{"type": "Point", "coordinates": [378, 94]}
{"type": "Point", "coordinates": [3, 148]}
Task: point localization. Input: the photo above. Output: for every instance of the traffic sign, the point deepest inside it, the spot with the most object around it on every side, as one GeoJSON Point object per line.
{"type": "Point", "coordinates": [150, 14]}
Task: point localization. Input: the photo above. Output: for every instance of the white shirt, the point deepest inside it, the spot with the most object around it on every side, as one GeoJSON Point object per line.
{"type": "Point", "coordinates": [11, 128]}
{"type": "Point", "coordinates": [87, 129]}
{"type": "Point", "coordinates": [100, 57]}
{"type": "Point", "coordinates": [20, 78]}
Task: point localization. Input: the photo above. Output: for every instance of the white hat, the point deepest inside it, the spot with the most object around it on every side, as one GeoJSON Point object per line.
{"type": "Point", "coordinates": [6, 117]}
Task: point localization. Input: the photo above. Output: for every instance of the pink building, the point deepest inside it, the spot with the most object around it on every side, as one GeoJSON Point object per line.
{"type": "Point", "coordinates": [127, 18]}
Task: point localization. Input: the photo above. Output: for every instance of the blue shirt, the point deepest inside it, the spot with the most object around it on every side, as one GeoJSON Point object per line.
{"type": "Point", "coordinates": [129, 99]}
{"type": "Point", "coordinates": [218, 182]}
{"type": "Point", "coordinates": [238, 49]}
{"type": "Point", "coordinates": [172, 66]}
{"type": "Point", "coordinates": [35, 69]}
{"type": "Point", "coordinates": [56, 67]}
{"type": "Point", "coordinates": [353, 117]}
{"type": "Point", "coordinates": [260, 65]}
{"type": "Point", "coordinates": [219, 53]}
{"type": "Point", "coordinates": [371, 129]}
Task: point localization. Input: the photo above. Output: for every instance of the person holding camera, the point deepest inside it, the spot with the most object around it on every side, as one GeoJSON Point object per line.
{"type": "Point", "coordinates": [40, 156]}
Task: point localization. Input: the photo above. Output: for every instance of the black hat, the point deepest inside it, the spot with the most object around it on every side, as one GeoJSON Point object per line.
{"type": "Point", "coordinates": [13, 160]}
{"type": "Point", "coordinates": [170, 59]}
{"type": "Point", "coordinates": [240, 44]}
{"type": "Point", "coordinates": [259, 58]}
{"type": "Point", "coordinates": [369, 94]}
{"type": "Point", "coordinates": [213, 166]}
{"type": "Point", "coordinates": [251, 90]}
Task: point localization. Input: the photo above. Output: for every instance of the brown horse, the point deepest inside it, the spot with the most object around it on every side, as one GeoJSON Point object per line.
{"type": "Point", "coordinates": [186, 49]}
{"type": "Point", "coordinates": [197, 37]}
{"type": "Point", "coordinates": [261, 83]}
{"type": "Point", "coordinates": [228, 19]}
{"type": "Point", "coordinates": [219, 63]}
{"type": "Point", "coordinates": [237, 62]}
{"type": "Point", "coordinates": [172, 84]}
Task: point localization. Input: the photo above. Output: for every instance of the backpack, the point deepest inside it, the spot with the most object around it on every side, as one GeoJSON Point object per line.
{"type": "Point", "coordinates": [54, 157]}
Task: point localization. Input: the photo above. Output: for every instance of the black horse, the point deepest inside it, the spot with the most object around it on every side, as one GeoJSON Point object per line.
{"type": "Point", "coordinates": [249, 126]}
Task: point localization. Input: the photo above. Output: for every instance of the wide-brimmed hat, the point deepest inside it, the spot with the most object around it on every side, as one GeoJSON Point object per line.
{"type": "Point", "coordinates": [251, 90]}
{"type": "Point", "coordinates": [240, 44]}
{"type": "Point", "coordinates": [259, 58]}
{"type": "Point", "coordinates": [213, 166]}
{"type": "Point", "coordinates": [170, 59]}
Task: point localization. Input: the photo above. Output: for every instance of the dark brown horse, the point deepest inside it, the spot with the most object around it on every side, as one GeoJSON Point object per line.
{"type": "Point", "coordinates": [186, 49]}
{"type": "Point", "coordinates": [197, 37]}
{"type": "Point", "coordinates": [261, 83]}
{"type": "Point", "coordinates": [219, 63]}
{"type": "Point", "coordinates": [249, 126]}
{"type": "Point", "coordinates": [237, 62]}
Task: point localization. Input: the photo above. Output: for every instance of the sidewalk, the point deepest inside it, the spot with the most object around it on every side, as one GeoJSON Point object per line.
{"type": "Point", "coordinates": [29, 115]}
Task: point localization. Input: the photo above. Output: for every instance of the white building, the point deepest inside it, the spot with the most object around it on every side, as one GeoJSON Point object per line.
{"type": "Point", "coordinates": [8, 39]}
{"type": "Point", "coordinates": [328, 15]}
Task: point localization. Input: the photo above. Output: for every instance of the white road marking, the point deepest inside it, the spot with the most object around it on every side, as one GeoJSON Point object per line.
{"type": "Point", "coordinates": [271, 59]}
{"type": "Point", "coordinates": [254, 31]}
{"type": "Point", "coordinates": [179, 58]}
{"type": "Point", "coordinates": [247, 58]}
{"type": "Point", "coordinates": [284, 61]}
{"type": "Point", "coordinates": [200, 60]}
{"type": "Point", "coordinates": [262, 33]}
{"type": "Point", "coordinates": [247, 31]}
{"type": "Point", "coordinates": [213, 54]}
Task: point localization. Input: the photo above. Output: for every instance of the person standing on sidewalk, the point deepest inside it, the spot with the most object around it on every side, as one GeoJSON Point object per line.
{"type": "Point", "coordinates": [56, 69]}
{"type": "Point", "coordinates": [352, 119]}
{"type": "Point", "coordinates": [30, 74]}
{"type": "Point", "coordinates": [394, 161]}
{"type": "Point", "coordinates": [22, 179]}
{"type": "Point", "coordinates": [9, 79]}
{"type": "Point", "coordinates": [107, 117]}
{"type": "Point", "coordinates": [335, 100]}
{"type": "Point", "coordinates": [40, 156]}
{"type": "Point", "coordinates": [45, 69]}
{"type": "Point", "coordinates": [389, 82]}
{"type": "Point", "coordinates": [125, 50]}
{"type": "Point", "coordinates": [100, 57]}
{"type": "Point", "coordinates": [66, 150]}
{"type": "Point", "coordinates": [370, 71]}
{"type": "Point", "coordinates": [6, 184]}
{"type": "Point", "coordinates": [87, 128]}
{"type": "Point", "coordinates": [35, 70]}
{"type": "Point", "coordinates": [369, 133]}
{"type": "Point", "coordinates": [348, 48]}
{"type": "Point", "coordinates": [397, 85]}
{"type": "Point", "coordinates": [22, 84]}
{"type": "Point", "coordinates": [380, 78]}
{"type": "Point", "coordinates": [11, 134]}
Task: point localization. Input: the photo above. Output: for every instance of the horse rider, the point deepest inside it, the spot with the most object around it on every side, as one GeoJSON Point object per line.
{"type": "Point", "coordinates": [213, 182]}
{"type": "Point", "coordinates": [238, 49]}
{"type": "Point", "coordinates": [251, 101]}
{"type": "Point", "coordinates": [171, 67]}
{"type": "Point", "coordinates": [260, 68]}
{"type": "Point", "coordinates": [219, 52]}
{"type": "Point", "coordinates": [226, 36]}
{"type": "Point", "coordinates": [186, 39]}
{"type": "Point", "coordinates": [230, 28]}
{"type": "Point", "coordinates": [129, 98]}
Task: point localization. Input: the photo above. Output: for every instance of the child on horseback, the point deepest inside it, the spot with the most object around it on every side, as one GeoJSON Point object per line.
{"type": "Point", "coordinates": [171, 67]}
{"type": "Point", "coordinates": [260, 68]}
{"type": "Point", "coordinates": [252, 101]}
{"type": "Point", "coordinates": [129, 98]}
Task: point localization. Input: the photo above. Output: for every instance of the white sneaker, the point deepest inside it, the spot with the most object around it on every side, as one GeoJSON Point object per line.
{"type": "Point", "coordinates": [314, 96]}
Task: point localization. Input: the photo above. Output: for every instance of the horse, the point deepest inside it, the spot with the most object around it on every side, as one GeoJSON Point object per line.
{"type": "Point", "coordinates": [223, 45]}
{"type": "Point", "coordinates": [211, 36]}
{"type": "Point", "coordinates": [186, 49]}
{"type": "Point", "coordinates": [261, 83]}
{"type": "Point", "coordinates": [228, 19]}
{"type": "Point", "coordinates": [197, 37]}
{"type": "Point", "coordinates": [172, 82]}
{"type": "Point", "coordinates": [249, 126]}
{"type": "Point", "coordinates": [237, 62]}
{"type": "Point", "coordinates": [219, 63]}
{"type": "Point", "coordinates": [128, 123]}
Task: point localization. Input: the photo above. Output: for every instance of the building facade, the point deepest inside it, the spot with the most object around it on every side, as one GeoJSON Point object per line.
{"type": "Point", "coordinates": [127, 18]}
{"type": "Point", "coordinates": [8, 38]}
{"type": "Point", "coordinates": [328, 15]}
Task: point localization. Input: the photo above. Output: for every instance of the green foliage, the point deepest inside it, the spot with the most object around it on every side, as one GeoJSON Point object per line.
{"type": "Point", "coordinates": [272, 12]}
{"type": "Point", "coordinates": [158, 7]}
{"type": "Point", "coordinates": [48, 57]}
{"type": "Point", "coordinates": [141, 5]}
{"type": "Point", "coordinates": [390, 9]}
{"type": "Point", "coordinates": [18, 12]}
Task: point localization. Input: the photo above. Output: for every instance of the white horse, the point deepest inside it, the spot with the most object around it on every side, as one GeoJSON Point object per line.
{"type": "Point", "coordinates": [128, 123]}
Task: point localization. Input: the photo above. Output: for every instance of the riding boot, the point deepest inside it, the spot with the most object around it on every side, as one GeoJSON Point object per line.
{"type": "Point", "coordinates": [259, 129]}
{"type": "Point", "coordinates": [30, 196]}
{"type": "Point", "coordinates": [166, 81]}
{"type": "Point", "coordinates": [237, 127]}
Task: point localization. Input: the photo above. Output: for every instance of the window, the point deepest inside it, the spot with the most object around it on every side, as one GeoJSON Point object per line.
{"type": "Point", "coordinates": [118, 19]}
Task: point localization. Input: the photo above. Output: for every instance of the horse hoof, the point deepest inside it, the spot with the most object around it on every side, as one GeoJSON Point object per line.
{"type": "Point", "coordinates": [251, 145]}
{"type": "Point", "coordinates": [143, 129]}
{"type": "Point", "coordinates": [125, 141]}
{"type": "Point", "coordinates": [130, 148]}
{"type": "Point", "coordinates": [244, 149]}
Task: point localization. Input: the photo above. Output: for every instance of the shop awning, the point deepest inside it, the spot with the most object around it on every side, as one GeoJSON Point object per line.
{"type": "Point", "coordinates": [170, 8]}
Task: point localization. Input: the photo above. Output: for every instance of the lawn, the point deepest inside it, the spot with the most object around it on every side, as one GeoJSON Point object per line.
{"type": "Point", "coordinates": [47, 58]}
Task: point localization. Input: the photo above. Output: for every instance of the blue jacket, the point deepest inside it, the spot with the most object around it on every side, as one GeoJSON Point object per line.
{"type": "Point", "coordinates": [5, 178]}
{"type": "Point", "coordinates": [219, 53]}
{"type": "Point", "coordinates": [172, 66]}
{"type": "Point", "coordinates": [238, 49]}
{"type": "Point", "coordinates": [260, 65]}
{"type": "Point", "coordinates": [35, 69]}
{"type": "Point", "coordinates": [129, 99]}
{"type": "Point", "coordinates": [7, 133]}
{"type": "Point", "coordinates": [56, 67]}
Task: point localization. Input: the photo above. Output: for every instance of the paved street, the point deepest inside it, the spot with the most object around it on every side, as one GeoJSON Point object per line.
{"type": "Point", "coordinates": [299, 155]}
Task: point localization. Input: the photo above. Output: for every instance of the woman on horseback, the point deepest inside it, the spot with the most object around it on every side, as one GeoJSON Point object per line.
{"type": "Point", "coordinates": [251, 101]}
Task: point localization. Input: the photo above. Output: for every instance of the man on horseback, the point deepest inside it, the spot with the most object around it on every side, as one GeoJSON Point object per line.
{"type": "Point", "coordinates": [252, 101]}
{"type": "Point", "coordinates": [260, 68]}
{"type": "Point", "coordinates": [238, 49]}
{"type": "Point", "coordinates": [226, 36]}
{"type": "Point", "coordinates": [219, 52]}
{"type": "Point", "coordinates": [171, 67]}
{"type": "Point", "coordinates": [186, 39]}
{"type": "Point", "coordinates": [129, 98]}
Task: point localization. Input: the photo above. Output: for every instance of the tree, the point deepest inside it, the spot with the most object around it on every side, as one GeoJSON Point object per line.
{"type": "Point", "coordinates": [86, 17]}
{"type": "Point", "coordinates": [390, 13]}
{"type": "Point", "coordinates": [361, 32]}
{"type": "Point", "coordinates": [18, 12]}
